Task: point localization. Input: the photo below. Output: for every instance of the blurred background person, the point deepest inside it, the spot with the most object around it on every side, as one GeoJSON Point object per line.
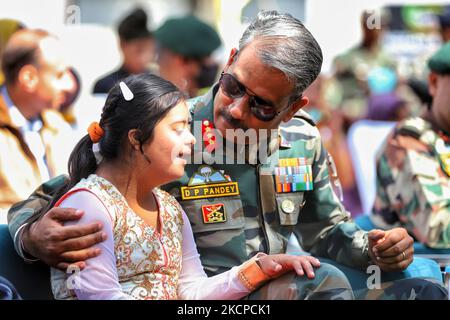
{"type": "Point", "coordinates": [34, 138]}
{"type": "Point", "coordinates": [387, 107]}
{"type": "Point", "coordinates": [347, 92]}
{"type": "Point", "coordinates": [444, 26]}
{"type": "Point", "coordinates": [137, 48]}
{"type": "Point", "coordinates": [413, 166]}
{"type": "Point", "coordinates": [384, 103]}
{"type": "Point", "coordinates": [71, 94]}
{"type": "Point", "coordinates": [365, 85]}
{"type": "Point", "coordinates": [330, 123]}
{"type": "Point", "coordinates": [351, 69]}
{"type": "Point", "coordinates": [185, 46]}
{"type": "Point", "coordinates": [7, 29]}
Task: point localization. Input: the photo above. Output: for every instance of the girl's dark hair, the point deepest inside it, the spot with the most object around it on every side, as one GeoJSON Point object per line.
{"type": "Point", "coordinates": [153, 98]}
{"type": "Point", "coordinates": [134, 26]}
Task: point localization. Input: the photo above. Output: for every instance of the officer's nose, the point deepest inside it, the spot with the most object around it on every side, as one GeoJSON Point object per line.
{"type": "Point", "coordinates": [239, 107]}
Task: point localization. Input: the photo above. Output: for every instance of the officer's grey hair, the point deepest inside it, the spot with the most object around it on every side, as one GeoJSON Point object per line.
{"type": "Point", "coordinates": [285, 44]}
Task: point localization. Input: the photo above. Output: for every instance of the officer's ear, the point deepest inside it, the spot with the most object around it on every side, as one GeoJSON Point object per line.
{"type": "Point", "coordinates": [295, 107]}
{"type": "Point", "coordinates": [432, 83]}
{"type": "Point", "coordinates": [28, 78]}
{"type": "Point", "coordinates": [231, 58]}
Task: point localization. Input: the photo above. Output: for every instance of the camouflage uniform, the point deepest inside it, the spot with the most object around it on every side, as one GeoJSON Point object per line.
{"type": "Point", "coordinates": [261, 218]}
{"type": "Point", "coordinates": [348, 89]}
{"type": "Point", "coordinates": [413, 184]}
{"type": "Point", "coordinates": [247, 215]}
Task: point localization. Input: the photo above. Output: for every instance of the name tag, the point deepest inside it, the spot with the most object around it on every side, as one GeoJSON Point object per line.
{"type": "Point", "coordinates": [209, 191]}
{"type": "Point", "coordinates": [207, 182]}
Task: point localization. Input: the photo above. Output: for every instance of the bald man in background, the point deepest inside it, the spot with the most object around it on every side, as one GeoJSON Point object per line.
{"type": "Point", "coordinates": [34, 138]}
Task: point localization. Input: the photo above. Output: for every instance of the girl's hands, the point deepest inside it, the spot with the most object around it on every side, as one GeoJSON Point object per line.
{"type": "Point", "coordinates": [277, 264]}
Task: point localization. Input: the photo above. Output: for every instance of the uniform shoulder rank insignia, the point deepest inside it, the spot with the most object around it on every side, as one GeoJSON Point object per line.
{"type": "Point", "coordinates": [214, 213]}
{"type": "Point", "coordinates": [209, 183]}
{"type": "Point", "coordinates": [208, 135]}
{"type": "Point", "coordinates": [293, 174]}
{"type": "Point", "coordinates": [443, 151]}
{"type": "Point", "coordinates": [423, 165]}
{"type": "Point", "coordinates": [445, 158]}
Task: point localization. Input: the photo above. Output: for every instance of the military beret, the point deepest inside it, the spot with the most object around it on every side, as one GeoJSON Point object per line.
{"type": "Point", "coordinates": [440, 61]}
{"type": "Point", "coordinates": [188, 36]}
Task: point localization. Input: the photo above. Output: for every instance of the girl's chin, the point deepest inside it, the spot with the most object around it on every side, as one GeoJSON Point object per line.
{"type": "Point", "coordinates": [177, 171]}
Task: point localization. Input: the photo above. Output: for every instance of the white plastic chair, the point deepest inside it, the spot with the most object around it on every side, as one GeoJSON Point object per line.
{"type": "Point", "coordinates": [365, 138]}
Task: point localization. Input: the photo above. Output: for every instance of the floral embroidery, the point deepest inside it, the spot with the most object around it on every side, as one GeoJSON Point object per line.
{"type": "Point", "coordinates": [123, 254]}
{"type": "Point", "coordinates": [148, 262]}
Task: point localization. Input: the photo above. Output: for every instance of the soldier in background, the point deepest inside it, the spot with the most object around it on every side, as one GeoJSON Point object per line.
{"type": "Point", "coordinates": [184, 50]}
{"type": "Point", "coordinates": [413, 167]}
{"type": "Point", "coordinates": [352, 68]}
{"type": "Point", "coordinates": [137, 47]}
{"type": "Point", "coordinates": [237, 210]}
{"type": "Point", "coordinates": [444, 25]}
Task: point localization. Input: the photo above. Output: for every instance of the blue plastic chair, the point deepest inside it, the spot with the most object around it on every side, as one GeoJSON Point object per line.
{"type": "Point", "coordinates": [420, 268]}
{"type": "Point", "coordinates": [31, 281]}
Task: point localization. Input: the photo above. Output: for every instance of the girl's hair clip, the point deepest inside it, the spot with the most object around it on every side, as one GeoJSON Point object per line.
{"type": "Point", "coordinates": [96, 151]}
{"type": "Point", "coordinates": [126, 92]}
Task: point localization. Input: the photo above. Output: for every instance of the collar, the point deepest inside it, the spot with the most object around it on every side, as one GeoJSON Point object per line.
{"type": "Point", "coordinates": [122, 72]}
{"type": "Point", "coordinates": [16, 118]}
{"type": "Point", "coordinates": [203, 106]}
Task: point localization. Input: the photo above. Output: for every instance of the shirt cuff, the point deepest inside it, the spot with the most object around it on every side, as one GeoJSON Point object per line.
{"type": "Point", "coordinates": [18, 245]}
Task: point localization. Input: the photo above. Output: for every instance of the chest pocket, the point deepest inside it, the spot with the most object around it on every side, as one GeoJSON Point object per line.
{"type": "Point", "coordinates": [289, 206]}
{"type": "Point", "coordinates": [230, 207]}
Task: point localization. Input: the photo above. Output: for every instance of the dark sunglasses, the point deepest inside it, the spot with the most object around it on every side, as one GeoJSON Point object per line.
{"type": "Point", "coordinates": [259, 107]}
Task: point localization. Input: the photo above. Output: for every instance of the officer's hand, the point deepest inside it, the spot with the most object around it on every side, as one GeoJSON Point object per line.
{"type": "Point", "coordinates": [57, 245]}
{"type": "Point", "coordinates": [277, 264]}
{"type": "Point", "coordinates": [391, 250]}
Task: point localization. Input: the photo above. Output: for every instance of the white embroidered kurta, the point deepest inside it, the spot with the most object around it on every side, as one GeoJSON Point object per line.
{"type": "Point", "coordinates": [137, 261]}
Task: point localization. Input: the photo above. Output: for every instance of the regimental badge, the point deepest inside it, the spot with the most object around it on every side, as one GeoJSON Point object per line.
{"type": "Point", "coordinates": [209, 183]}
{"type": "Point", "coordinates": [214, 213]}
{"type": "Point", "coordinates": [293, 174]}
